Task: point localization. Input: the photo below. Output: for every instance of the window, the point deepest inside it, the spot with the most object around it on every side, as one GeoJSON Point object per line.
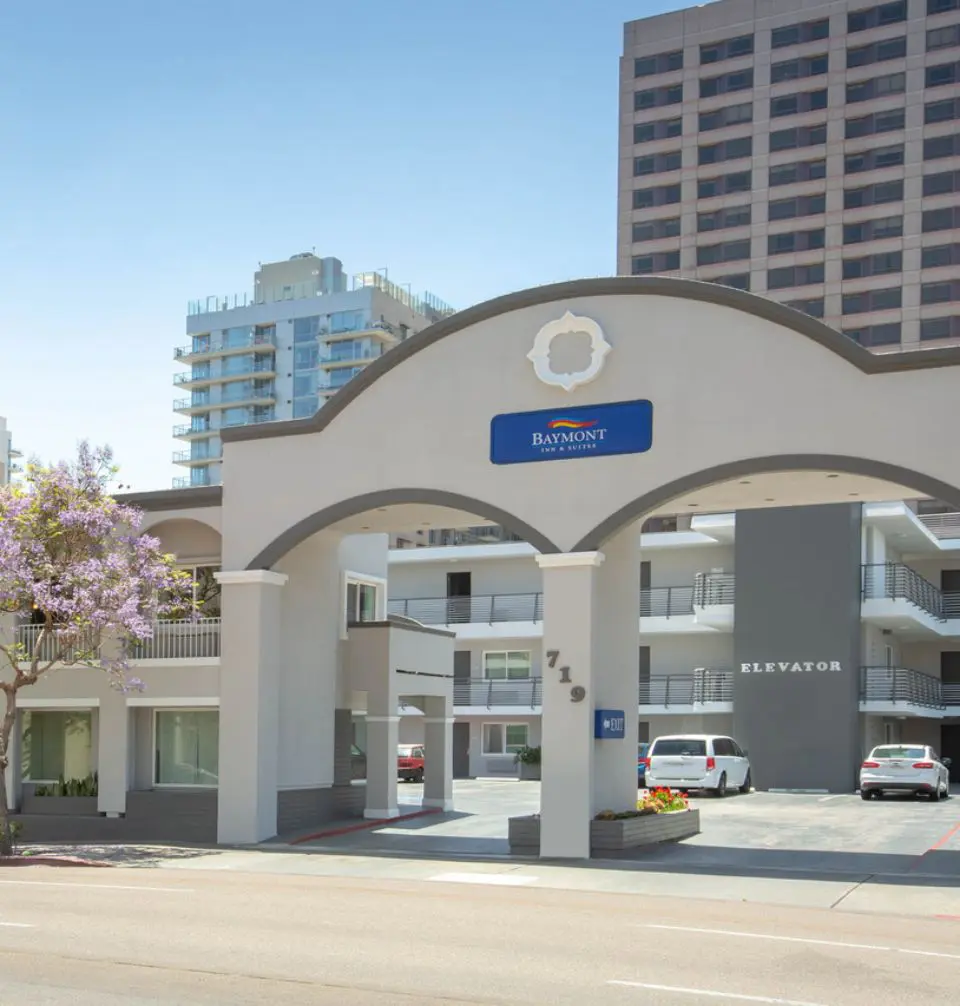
{"type": "Point", "coordinates": [942, 6]}
{"type": "Point", "coordinates": [653, 164]}
{"type": "Point", "coordinates": [303, 407]}
{"type": "Point", "coordinates": [731, 115]}
{"type": "Point", "coordinates": [795, 241]}
{"type": "Point", "coordinates": [794, 34]}
{"type": "Point", "coordinates": [795, 275]}
{"type": "Point", "coordinates": [798, 136]}
{"type": "Point", "coordinates": [729, 251]}
{"type": "Point", "coordinates": [940, 293]}
{"type": "Point", "coordinates": [306, 356]}
{"type": "Point", "coordinates": [55, 744]}
{"type": "Point", "coordinates": [944, 74]}
{"type": "Point", "coordinates": [663, 62]}
{"type": "Point", "coordinates": [729, 48]}
{"type": "Point", "coordinates": [662, 129]}
{"type": "Point", "coordinates": [873, 265]}
{"type": "Point", "coordinates": [797, 206]}
{"type": "Point", "coordinates": [504, 738]}
{"type": "Point", "coordinates": [941, 184]}
{"type": "Point", "coordinates": [943, 38]}
{"type": "Point", "coordinates": [940, 255]}
{"type": "Point", "coordinates": [946, 110]}
{"type": "Point", "coordinates": [187, 749]}
{"type": "Point", "coordinates": [878, 122]}
{"type": "Point", "coordinates": [877, 52]}
{"type": "Point", "coordinates": [793, 104]}
{"type": "Point", "coordinates": [726, 83]}
{"type": "Point", "coordinates": [945, 219]}
{"type": "Point", "coordinates": [940, 328]}
{"type": "Point", "coordinates": [739, 181]}
{"type": "Point", "coordinates": [875, 17]}
{"type": "Point", "coordinates": [737, 280]}
{"type": "Point", "coordinates": [650, 230]}
{"type": "Point", "coordinates": [205, 591]}
{"type": "Point", "coordinates": [871, 160]}
{"type": "Point", "coordinates": [506, 665]}
{"type": "Point", "coordinates": [798, 171]}
{"type": "Point", "coordinates": [872, 300]}
{"type": "Point", "coordinates": [727, 150]}
{"type": "Point", "coordinates": [812, 307]}
{"type": "Point", "coordinates": [796, 69]}
{"type": "Point", "coordinates": [887, 334]}
{"type": "Point", "coordinates": [678, 746]}
{"type": "Point", "coordinates": [876, 87]}
{"type": "Point", "coordinates": [730, 216]}
{"type": "Point", "coordinates": [306, 329]}
{"type": "Point", "coordinates": [644, 199]}
{"type": "Point", "coordinates": [656, 97]}
{"type": "Point", "coordinates": [873, 230]}
{"type": "Point", "coordinates": [873, 195]}
{"type": "Point", "coordinates": [644, 265]}
{"type": "Point", "coordinates": [935, 147]}
{"type": "Point", "coordinates": [361, 601]}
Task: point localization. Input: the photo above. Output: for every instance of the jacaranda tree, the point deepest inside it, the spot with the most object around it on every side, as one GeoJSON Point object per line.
{"type": "Point", "coordinates": [74, 568]}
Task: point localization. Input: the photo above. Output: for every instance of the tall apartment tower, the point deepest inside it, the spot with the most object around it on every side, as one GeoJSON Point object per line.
{"type": "Point", "coordinates": [283, 351]}
{"type": "Point", "coordinates": [8, 453]}
{"type": "Point", "coordinates": [806, 150]}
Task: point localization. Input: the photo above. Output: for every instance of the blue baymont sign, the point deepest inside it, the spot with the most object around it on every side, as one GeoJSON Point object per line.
{"type": "Point", "coordinates": [584, 431]}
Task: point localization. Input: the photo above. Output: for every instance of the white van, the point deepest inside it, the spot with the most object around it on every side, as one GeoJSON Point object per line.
{"type": "Point", "coordinates": [697, 761]}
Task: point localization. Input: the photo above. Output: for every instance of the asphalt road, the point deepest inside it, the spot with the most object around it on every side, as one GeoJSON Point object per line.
{"type": "Point", "coordinates": [123, 936]}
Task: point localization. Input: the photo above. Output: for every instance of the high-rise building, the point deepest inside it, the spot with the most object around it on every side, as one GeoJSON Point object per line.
{"type": "Point", "coordinates": [8, 453]}
{"type": "Point", "coordinates": [804, 150]}
{"type": "Point", "coordinates": [281, 352]}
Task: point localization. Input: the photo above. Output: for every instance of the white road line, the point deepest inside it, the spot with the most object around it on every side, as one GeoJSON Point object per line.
{"type": "Point", "coordinates": [710, 994]}
{"type": "Point", "coordinates": [496, 879]}
{"type": "Point", "coordinates": [801, 939]}
{"type": "Point", "coordinates": [96, 887]}
{"type": "Point", "coordinates": [18, 925]}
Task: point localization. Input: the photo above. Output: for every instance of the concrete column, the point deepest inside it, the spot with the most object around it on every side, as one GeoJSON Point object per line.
{"type": "Point", "coordinates": [249, 705]}
{"type": "Point", "coordinates": [383, 736]}
{"type": "Point", "coordinates": [569, 612]}
{"type": "Point", "coordinates": [616, 672]}
{"type": "Point", "coordinates": [342, 746]}
{"type": "Point", "coordinates": [438, 745]}
{"type": "Point", "coordinates": [113, 754]}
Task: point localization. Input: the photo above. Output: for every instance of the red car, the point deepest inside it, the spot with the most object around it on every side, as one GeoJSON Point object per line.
{"type": "Point", "coordinates": [410, 762]}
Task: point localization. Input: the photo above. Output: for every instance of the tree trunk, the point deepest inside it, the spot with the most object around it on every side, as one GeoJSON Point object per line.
{"type": "Point", "coordinates": [6, 731]}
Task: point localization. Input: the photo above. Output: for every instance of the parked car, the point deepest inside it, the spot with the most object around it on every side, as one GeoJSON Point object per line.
{"type": "Point", "coordinates": [358, 763]}
{"type": "Point", "coordinates": [904, 768]}
{"type": "Point", "coordinates": [410, 762]}
{"type": "Point", "coordinates": [642, 763]}
{"type": "Point", "coordinates": [698, 761]}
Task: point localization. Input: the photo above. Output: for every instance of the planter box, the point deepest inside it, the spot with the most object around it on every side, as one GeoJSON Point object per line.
{"type": "Point", "coordinates": [529, 772]}
{"type": "Point", "coordinates": [62, 806]}
{"type": "Point", "coordinates": [612, 836]}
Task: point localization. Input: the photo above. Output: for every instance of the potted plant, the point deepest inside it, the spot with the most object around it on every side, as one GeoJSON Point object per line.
{"type": "Point", "coordinates": [528, 760]}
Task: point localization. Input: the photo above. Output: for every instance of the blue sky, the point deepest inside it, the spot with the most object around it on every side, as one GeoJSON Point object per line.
{"type": "Point", "coordinates": [155, 152]}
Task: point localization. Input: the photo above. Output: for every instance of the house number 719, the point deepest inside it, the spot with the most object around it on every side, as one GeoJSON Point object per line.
{"type": "Point", "coordinates": [578, 693]}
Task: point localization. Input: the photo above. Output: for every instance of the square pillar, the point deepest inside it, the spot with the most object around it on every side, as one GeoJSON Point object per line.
{"type": "Point", "coordinates": [438, 748]}
{"type": "Point", "coordinates": [383, 737]}
{"type": "Point", "coordinates": [113, 754]}
{"type": "Point", "coordinates": [249, 705]}
{"type": "Point", "coordinates": [569, 614]}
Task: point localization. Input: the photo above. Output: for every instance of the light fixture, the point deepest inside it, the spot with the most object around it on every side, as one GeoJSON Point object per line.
{"type": "Point", "coordinates": [364, 527]}
{"type": "Point", "coordinates": [853, 494]}
{"type": "Point", "coordinates": [833, 476]}
{"type": "Point", "coordinates": [745, 482]}
{"type": "Point", "coordinates": [693, 504]}
{"type": "Point", "coordinates": [769, 499]}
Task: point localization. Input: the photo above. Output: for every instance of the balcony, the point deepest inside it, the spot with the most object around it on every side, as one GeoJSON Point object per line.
{"type": "Point", "coordinates": [192, 481]}
{"type": "Point", "coordinates": [193, 379]}
{"type": "Point", "coordinates": [896, 597]}
{"type": "Point", "coordinates": [190, 459]}
{"type": "Point", "coordinates": [261, 342]}
{"type": "Point", "coordinates": [704, 606]}
{"type": "Point", "coordinates": [197, 639]}
{"type": "Point", "coordinates": [900, 691]}
{"type": "Point", "coordinates": [345, 354]}
{"type": "Point", "coordinates": [483, 693]}
{"type": "Point", "coordinates": [941, 525]}
{"type": "Point", "coordinates": [191, 431]}
{"type": "Point", "coordinates": [189, 406]}
{"type": "Point", "coordinates": [479, 616]}
{"type": "Point", "coordinates": [704, 690]}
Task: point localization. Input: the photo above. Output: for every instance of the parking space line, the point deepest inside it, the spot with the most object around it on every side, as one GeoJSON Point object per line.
{"type": "Point", "coordinates": [801, 939]}
{"type": "Point", "coordinates": [96, 887]}
{"type": "Point", "coordinates": [946, 838]}
{"type": "Point", "coordinates": [711, 994]}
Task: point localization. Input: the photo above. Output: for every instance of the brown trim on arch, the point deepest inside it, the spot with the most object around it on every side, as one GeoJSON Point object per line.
{"type": "Point", "coordinates": [614, 286]}
{"type": "Point", "coordinates": [650, 501]}
{"type": "Point", "coordinates": [174, 499]}
{"type": "Point", "coordinates": [302, 530]}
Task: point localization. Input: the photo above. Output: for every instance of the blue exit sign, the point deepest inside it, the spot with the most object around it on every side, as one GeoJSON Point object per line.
{"type": "Point", "coordinates": [609, 724]}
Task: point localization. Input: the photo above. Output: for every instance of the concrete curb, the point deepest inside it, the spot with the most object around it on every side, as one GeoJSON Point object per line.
{"type": "Point", "coordinates": [363, 826]}
{"type": "Point", "coordinates": [49, 861]}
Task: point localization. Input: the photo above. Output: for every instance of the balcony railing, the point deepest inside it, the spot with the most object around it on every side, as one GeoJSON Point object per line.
{"type": "Point", "coordinates": [186, 457]}
{"type": "Point", "coordinates": [521, 692]}
{"type": "Point", "coordinates": [200, 479]}
{"type": "Point", "coordinates": [687, 689]}
{"type": "Point", "coordinates": [713, 588]}
{"type": "Point", "coordinates": [904, 686]}
{"type": "Point", "coordinates": [263, 340]}
{"type": "Point", "coordinates": [488, 608]}
{"type": "Point", "coordinates": [189, 429]}
{"type": "Point", "coordinates": [489, 535]}
{"type": "Point", "coordinates": [54, 646]}
{"type": "Point", "coordinates": [895, 581]}
{"type": "Point", "coordinates": [172, 640]}
{"type": "Point", "coordinates": [666, 602]}
{"type": "Point", "coordinates": [941, 525]}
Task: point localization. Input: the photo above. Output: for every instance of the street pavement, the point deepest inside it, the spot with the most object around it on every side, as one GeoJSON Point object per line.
{"type": "Point", "coordinates": [201, 936]}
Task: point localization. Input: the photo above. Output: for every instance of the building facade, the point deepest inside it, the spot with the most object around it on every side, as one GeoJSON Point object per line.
{"type": "Point", "coordinates": [284, 351]}
{"type": "Point", "coordinates": [805, 150]}
{"type": "Point", "coordinates": [8, 453]}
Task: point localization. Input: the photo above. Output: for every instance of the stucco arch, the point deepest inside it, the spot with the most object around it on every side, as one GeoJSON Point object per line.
{"type": "Point", "coordinates": [344, 509]}
{"type": "Point", "coordinates": [188, 538]}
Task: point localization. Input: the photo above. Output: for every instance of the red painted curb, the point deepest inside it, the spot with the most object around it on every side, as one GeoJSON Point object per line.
{"type": "Point", "coordinates": [365, 826]}
{"type": "Point", "coordinates": [48, 861]}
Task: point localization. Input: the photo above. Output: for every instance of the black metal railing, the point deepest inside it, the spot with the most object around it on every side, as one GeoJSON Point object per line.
{"type": "Point", "coordinates": [487, 608]}
{"type": "Point", "coordinates": [901, 686]}
{"type": "Point", "coordinates": [951, 693]}
{"type": "Point", "coordinates": [666, 602]}
{"type": "Point", "coordinates": [713, 588]}
{"type": "Point", "coordinates": [895, 581]}
{"type": "Point", "coordinates": [520, 692]}
{"type": "Point", "coordinates": [704, 684]}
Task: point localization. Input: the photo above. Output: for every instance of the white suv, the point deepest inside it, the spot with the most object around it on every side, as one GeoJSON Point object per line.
{"type": "Point", "coordinates": [697, 761]}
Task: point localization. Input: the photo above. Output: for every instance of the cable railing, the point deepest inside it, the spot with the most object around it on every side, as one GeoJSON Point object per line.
{"type": "Point", "coordinates": [951, 693]}
{"type": "Point", "coordinates": [490, 692]}
{"type": "Point", "coordinates": [666, 602]}
{"type": "Point", "coordinates": [713, 589]}
{"type": "Point", "coordinates": [688, 688]}
{"type": "Point", "coordinates": [903, 685]}
{"type": "Point", "coordinates": [895, 581]}
{"type": "Point", "coordinates": [487, 608]}
{"type": "Point", "coordinates": [941, 525]}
